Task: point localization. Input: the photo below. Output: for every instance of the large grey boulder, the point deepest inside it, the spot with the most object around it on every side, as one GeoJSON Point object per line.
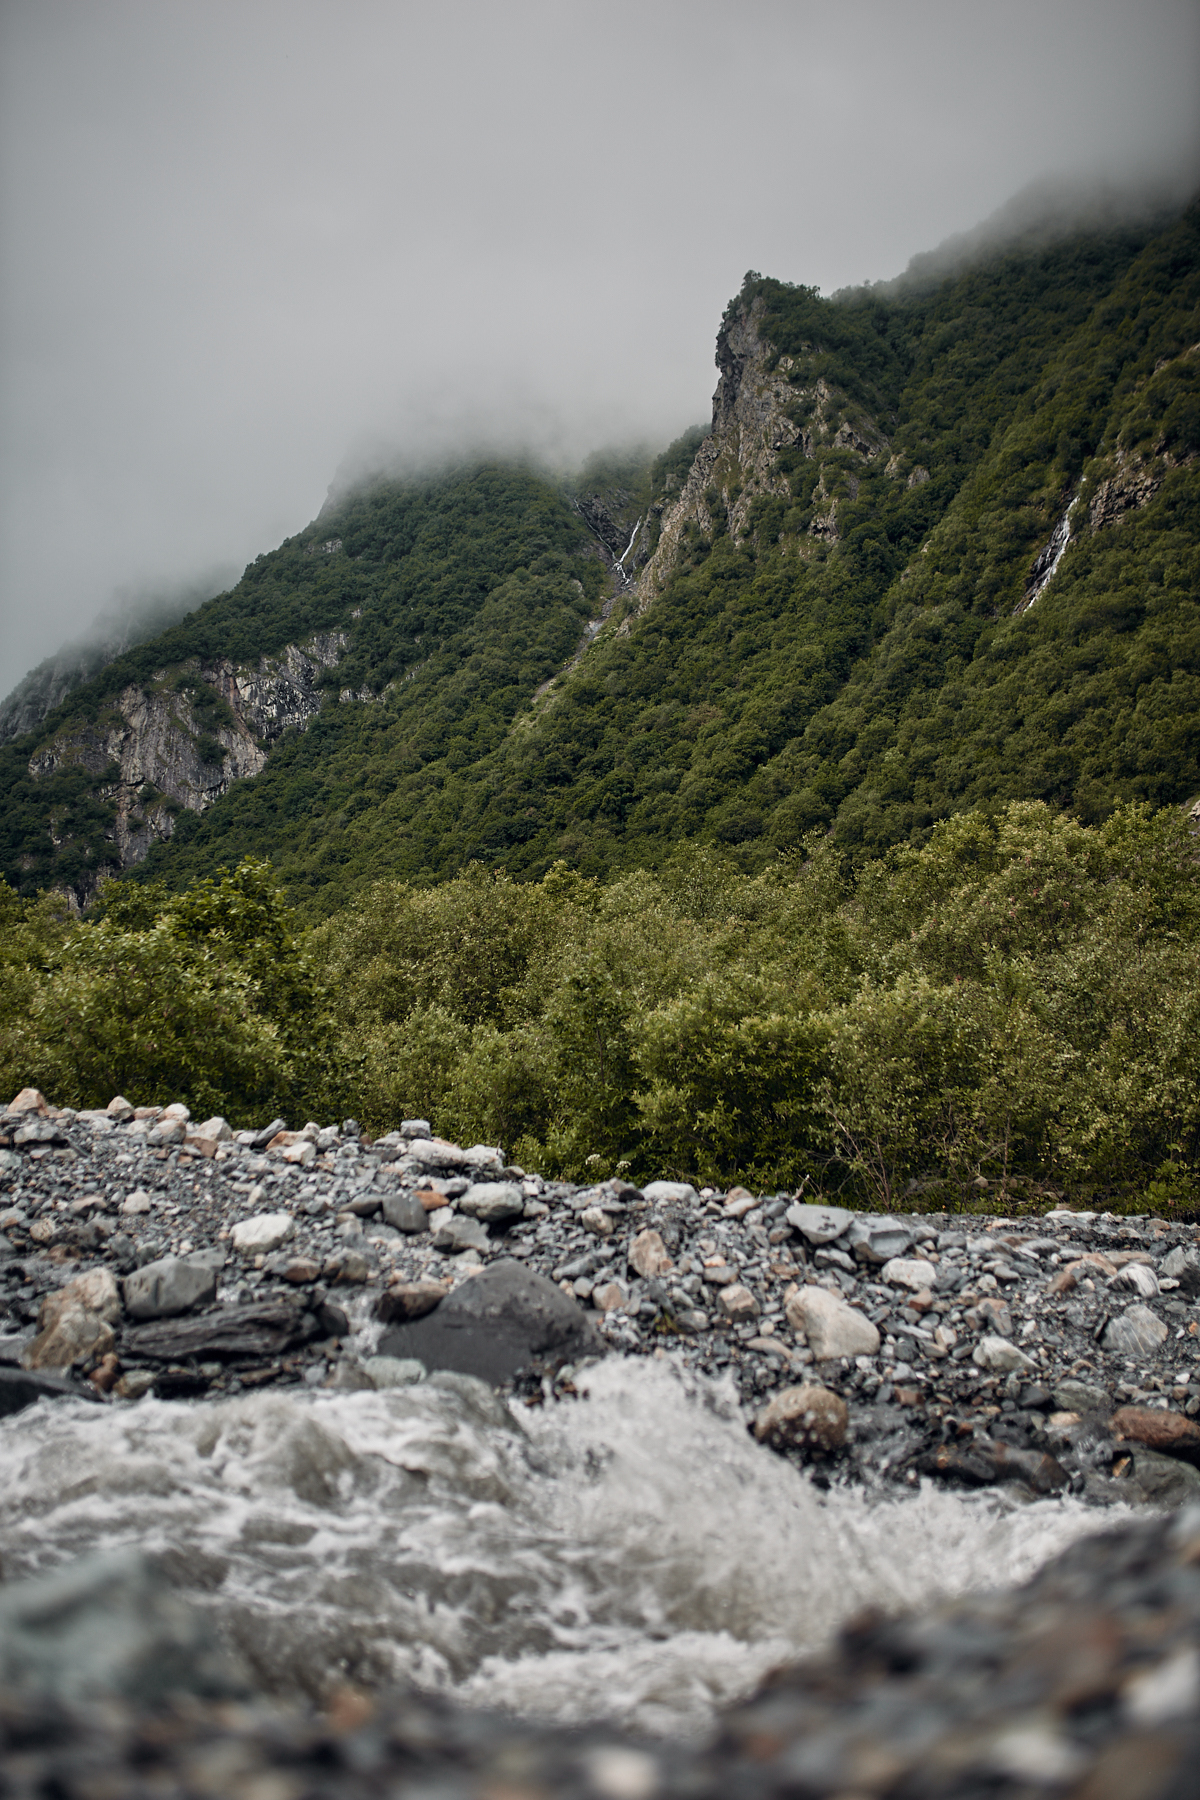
{"type": "Point", "coordinates": [174, 1284]}
{"type": "Point", "coordinates": [503, 1319]}
{"type": "Point", "coordinates": [404, 1211]}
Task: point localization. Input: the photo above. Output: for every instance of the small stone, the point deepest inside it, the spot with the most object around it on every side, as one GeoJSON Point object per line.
{"type": "Point", "coordinates": [595, 1220]}
{"type": "Point", "coordinates": [119, 1109]}
{"type": "Point", "coordinates": [1137, 1276]}
{"type": "Point", "coordinates": [994, 1313]}
{"type": "Point", "coordinates": [264, 1232]}
{"type": "Point", "coordinates": [415, 1128]}
{"type": "Point", "coordinates": [135, 1384]}
{"type": "Point", "coordinates": [658, 1191]}
{"type": "Point", "coordinates": [819, 1224]}
{"type": "Point", "coordinates": [914, 1273]}
{"type": "Point", "coordinates": [104, 1376]}
{"type": "Point", "coordinates": [36, 1131]}
{"type": "Point", "coordinates": [173, 1285]}
{"type": "Point", "coordinates": [456, 1233]}
{"type": "Point", "coordinates": [177, 1111]}
{"type": "Point", "coordinates": [300, 1270]}
{"type": "Point", "coordinates": [737, 1302]}
{"type": "Point", "coordinates": [409, 1300]}
{"type": "Point", "coordinates": [1170, 1433]}
{"type": "Point", "coordinates": [431, 1198]}
{"type": "Point", "coordinates": [1183, 1265]}
{"type": "Point", "coordinates": [1001, 1356]}
{"type": "Point", "coordinates": [1138, 1332]}
{"type": "Point", "coordinates": [29, 1100]}
{"type": "Point", "coordinates": [1081, 1397]}
{"type": "Point", "coordinates": [829, 1326]}
{"type": "Point", "coordinates": [492, 1201]}
{"type": "Point", "coordinates": [303, 1154]}
{"type": "Point", "coordinates": [166, 1132]}
{"type": "Point", "coordinates": [137, 1202]}
{"type": "Point", "coordinates": [216, 1128]}
{"type": "Point", "coordinates": [610, 1297]}
{"type": "Point", "coordinates": [807, 1418]}
{"type": "Point", "coordinates": [405, 1211]}
{"type": "Point", "coordinates": [648, 1255]}
{"type": "Point", "coordinates": [878, 1240]}
{"type": "Point", "coordinates": [351, 1268]}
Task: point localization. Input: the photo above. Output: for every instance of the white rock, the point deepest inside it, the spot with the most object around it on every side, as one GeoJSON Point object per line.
{"type": "Point", "coordinates": [595, 1220]}
{"type": "Point", "coordinates": [488, 1200]}
{"type": "Point", "coordinates": [167, 1131]}
{"type": "Point", "coordinates": [177, 1111]}
{"type": "Point", "coordinates": [819, 1224]}
{"type": "Point", "coordinates": [216, 1128]}
{"type": "Point", "coordinates": [137, 1202]}
{"type": "Point", "coordinates": [670, 1190]}
{"type": "Point", "coordinates": [1138, 1332]}
{"type": "Point", "coordinates": [830, 1326]}
{"type": "Point", "coordinates": [648, 1255]}
{"type": "Point", "coordinates": [119, 1109]}
{"type": "Point", "coordinates": [1137, 1276]}
{"type": "Point", "coordinates": [997, 1354]}
{"type": "Point", "coordinates": [302, 1154]}
{"type": "Point", "coordinates": [909, 1272]}
{"type": "Point", "coordinates": [265, 1231]}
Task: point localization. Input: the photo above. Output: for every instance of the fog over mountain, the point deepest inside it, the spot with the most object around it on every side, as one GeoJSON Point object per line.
{"type": "Point", "coordinates": [248, 245]}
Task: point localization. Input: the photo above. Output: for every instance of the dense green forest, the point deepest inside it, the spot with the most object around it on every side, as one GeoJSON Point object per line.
{"type": "Point", "coordinates": [848, 844]}
{"type": "Point", "coordinates": [870, 680]}
{"type": "Point", "coordinates": [1010, 1010]}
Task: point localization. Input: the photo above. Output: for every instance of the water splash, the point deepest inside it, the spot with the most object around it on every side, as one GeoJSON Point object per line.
{"type": "Point", "coordinates": [634, 1555]}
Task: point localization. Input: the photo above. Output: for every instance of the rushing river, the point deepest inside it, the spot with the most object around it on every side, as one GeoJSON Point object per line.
{"type": "Point", "coordinates": [630, 1555]}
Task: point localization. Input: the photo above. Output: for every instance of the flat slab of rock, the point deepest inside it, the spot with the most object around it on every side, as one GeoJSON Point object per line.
{"type": "Point", "coordinates": [265, 1231]}
{"type": "Point", "coordinates": [261, 1329]}
{"type": "Point", "coordinates": [503, 1319]}
{"type": "Point", "coordinates": [174, 1284]}
{"type": "Point", "coordinates": [24, 1387]}
{"type": "Point", "coordinates": [819, 1224]}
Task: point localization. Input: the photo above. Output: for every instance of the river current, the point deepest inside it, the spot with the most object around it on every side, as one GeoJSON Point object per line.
{"type": "Point", "coordinates": [631, 1555]}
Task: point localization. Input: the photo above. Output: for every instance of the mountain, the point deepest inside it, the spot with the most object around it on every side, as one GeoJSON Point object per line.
{"type": "Point", "coordinates": [938, 551]}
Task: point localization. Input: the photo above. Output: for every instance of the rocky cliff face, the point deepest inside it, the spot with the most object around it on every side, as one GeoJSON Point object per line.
{"type": "Point", "coordinates": [156, 752]}
{"type": "Point", "coordinates": [762, 406]}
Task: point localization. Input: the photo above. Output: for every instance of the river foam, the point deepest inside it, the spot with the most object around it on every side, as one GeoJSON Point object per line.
{"type": "Point", "coordinates": [632, 1555]}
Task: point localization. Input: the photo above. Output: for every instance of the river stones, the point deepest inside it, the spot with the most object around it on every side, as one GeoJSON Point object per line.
{"type": "Point", "coordinates": [1001, 1357]}
{"type": "Point", "coordinates": [264, 1232]}
{"type": "Point", "coordinates": [648, 1256]}
{"type": "Point", "coordinates": [501, 1320]}
{"type": "Point", "coordinates": [1167, 1432]}
{"type": "Point", "coordinates": [819, 1224]}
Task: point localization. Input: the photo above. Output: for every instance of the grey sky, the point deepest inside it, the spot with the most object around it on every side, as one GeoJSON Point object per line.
{"type": "Point", "coordinates": [242, 241]}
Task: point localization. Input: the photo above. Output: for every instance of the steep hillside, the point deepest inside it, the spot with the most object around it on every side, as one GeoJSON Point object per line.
{"type": "Point", "coordinates": [939, 550]}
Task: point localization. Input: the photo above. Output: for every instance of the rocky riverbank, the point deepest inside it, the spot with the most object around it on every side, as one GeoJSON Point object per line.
{"type": "Point", "coordinates": [146, 1252]}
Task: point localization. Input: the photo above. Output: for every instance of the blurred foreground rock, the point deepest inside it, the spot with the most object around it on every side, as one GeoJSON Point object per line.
{"type": "Point", "coordinates": [1083, 1685]}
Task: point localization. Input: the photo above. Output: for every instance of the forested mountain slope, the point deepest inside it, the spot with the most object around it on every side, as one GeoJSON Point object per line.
{"type": "Point", "coordinates": [850, 612]}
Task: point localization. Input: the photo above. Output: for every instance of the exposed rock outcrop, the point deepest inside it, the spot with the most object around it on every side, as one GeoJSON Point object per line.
{"type": "Point", "coordinates": [761, 407]}
{"type": "Point", "coordinates": [153, 754]}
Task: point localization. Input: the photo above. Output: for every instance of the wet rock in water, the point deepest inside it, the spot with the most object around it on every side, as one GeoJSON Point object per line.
{"type": "Point", "coordinates": [394, 1371]}
{"type": "Point", "coordinates": [259, 1330]}
{"type": "Point", "coordinates": [808, 1417]}
{"type": "Point", "coordinates": [20, 1388]}
{"type": "Point", "coordinates": [1158, 1480]}
{"type": "Point", "coordinates": [173, 1285]}
{"type": "Point", "coordinates": [1137, 1332]}
{"type": "Point", "coordinates": [1170, 1433]}
{"type": "Point", "coordinates": [819, 1224]}
{"type": "Point", "coordinates": [107, 1625]}
{"type": "Point", "coordinates": [983, 1461]}
{"type": "Point", "coordinates": [409, 1300]}
{"type": "Point", "coordinates": [501, 1320]}
{"type": "Point", "coordinates": [830, 1327]}
{"type": "Point", "coordinates": [265, 1231]}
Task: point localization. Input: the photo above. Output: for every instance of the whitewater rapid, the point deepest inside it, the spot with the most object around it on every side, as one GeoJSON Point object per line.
{"type": "Point", "coordinates": [632, 1555]}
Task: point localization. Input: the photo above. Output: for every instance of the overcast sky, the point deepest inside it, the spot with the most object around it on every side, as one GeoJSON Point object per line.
{"type": "Point", "coordinates": [242, 241]}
